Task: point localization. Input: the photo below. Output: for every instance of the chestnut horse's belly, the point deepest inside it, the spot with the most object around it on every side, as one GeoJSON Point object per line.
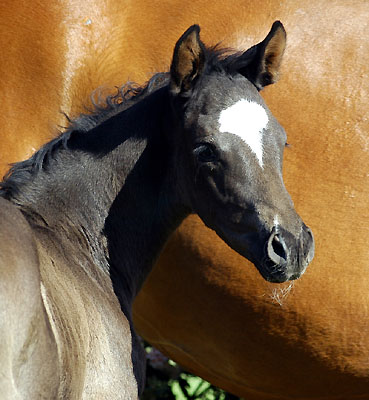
{"type": "Point", "coordinates": [203, 304]}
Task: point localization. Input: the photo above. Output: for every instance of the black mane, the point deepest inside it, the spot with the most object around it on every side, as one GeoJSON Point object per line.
{"type": "Point", "coordinates": [127, 95]}
{"type": "Point", "coordinates": [219, 60]}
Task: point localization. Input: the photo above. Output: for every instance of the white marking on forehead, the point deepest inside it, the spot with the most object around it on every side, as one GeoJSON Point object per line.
{"type": "Point", "coordinates": [247, 120]}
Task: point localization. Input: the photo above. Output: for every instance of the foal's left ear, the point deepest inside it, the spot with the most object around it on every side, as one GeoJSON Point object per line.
{"type": "Point", "coordinates": [266, 58]}
{"type": "Point", "coordinates": [188, 61]}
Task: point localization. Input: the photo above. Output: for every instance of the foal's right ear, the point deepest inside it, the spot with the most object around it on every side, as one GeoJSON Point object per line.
{"type": "Point", "coordinates": [188, 61]}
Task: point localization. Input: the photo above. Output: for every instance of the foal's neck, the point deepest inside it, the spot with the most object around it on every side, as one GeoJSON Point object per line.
{"type": "Point", "coordinates": [118, 195]}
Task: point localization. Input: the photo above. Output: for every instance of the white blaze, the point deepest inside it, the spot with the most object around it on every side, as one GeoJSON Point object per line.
{"type": "Point", "coordinates": [247, 120]}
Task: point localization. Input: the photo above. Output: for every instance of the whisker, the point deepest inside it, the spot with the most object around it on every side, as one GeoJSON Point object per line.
{"type": "Point", "coordinates": [280, 294]}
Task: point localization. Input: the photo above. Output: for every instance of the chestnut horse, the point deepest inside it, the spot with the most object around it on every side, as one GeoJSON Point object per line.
{"type": "Point", "coordinates": [230, 331]}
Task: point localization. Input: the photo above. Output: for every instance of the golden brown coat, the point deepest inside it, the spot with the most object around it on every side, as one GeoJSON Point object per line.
{"type": "Point", "coordinates": [203, 304]}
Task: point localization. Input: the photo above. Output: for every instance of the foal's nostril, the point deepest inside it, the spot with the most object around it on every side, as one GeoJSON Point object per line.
{"type": "Point", "coordinates": [276, 249]}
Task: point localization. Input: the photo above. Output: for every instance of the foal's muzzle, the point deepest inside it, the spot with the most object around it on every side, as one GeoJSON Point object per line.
{"type": "Point", "coordinates": [286, 256]}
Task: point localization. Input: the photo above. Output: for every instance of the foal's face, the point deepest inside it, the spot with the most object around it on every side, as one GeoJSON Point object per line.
{"type": "Point", "coordinates": [234, 149]}
{"type": "Point", "coordinates": [231, 167]}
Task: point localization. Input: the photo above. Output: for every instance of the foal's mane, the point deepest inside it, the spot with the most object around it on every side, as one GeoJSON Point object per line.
{"type": "Point", "coordinates": [224, 61]}
{"type": "Point", "coordinates": [125, 96]}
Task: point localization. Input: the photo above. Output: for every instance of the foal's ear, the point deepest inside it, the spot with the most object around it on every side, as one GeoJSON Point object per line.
{"type": "Point", "coordinates": [266, 58]}
{"type": "Point", "coordinates": [188, 61]}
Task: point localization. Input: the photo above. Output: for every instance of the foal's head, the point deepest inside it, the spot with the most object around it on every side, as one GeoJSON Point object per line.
{"type": "Point", "coordinates": [230, 149]}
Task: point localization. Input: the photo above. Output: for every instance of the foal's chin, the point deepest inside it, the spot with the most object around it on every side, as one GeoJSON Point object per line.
{"type": "Point", "coordinates": [276, 274]}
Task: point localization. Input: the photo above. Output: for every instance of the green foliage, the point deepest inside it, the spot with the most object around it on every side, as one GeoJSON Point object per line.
{"type": "Point", "coordinates": [165, 380]}
{"type": "Point", "coordinates": [190, 387]}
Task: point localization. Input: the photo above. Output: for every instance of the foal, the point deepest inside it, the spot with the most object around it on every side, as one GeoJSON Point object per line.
{"type": "Point", "coordinates": [83, 220]}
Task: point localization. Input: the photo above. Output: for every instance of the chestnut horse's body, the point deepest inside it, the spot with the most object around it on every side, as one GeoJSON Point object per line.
{"type": "Point", "coordinates": [221, 321]}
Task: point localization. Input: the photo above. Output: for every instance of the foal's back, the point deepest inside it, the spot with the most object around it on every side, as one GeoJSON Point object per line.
{"type": "Point", "coordinates": [62, 332]}
{"type": "Point", "coordinates": [27, 348]}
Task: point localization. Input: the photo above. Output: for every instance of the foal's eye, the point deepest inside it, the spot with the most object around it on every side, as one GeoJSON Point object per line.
{"type": "Point", "coordinates": [205, 152]}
